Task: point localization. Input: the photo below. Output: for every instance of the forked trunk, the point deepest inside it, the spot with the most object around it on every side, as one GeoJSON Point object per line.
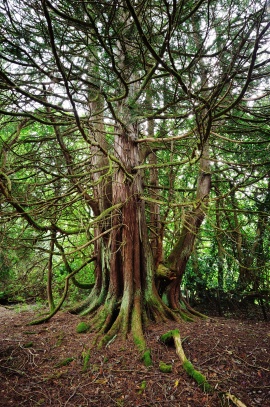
{"type": "Point", "coordinates": [124, 296]}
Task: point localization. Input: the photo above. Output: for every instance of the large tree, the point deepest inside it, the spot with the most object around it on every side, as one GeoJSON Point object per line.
{"type": "Point", "coordinates": [113, 113]}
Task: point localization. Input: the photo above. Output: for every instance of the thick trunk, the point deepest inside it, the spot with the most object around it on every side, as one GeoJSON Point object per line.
{"type": "Point", "coordinates": [155, 224]}
{"type": "Point", "coordinates": [124, 296]}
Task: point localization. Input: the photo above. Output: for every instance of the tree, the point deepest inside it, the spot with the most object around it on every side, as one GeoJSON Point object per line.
{"type": "Point", "coordinates": [108, 109]}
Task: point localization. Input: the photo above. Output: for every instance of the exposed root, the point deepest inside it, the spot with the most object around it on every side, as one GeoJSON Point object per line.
{"type": "Point", "coordinates": [146, 358]}
{"type": "Point", "coordinates": [192, 310]}
{"type": "Point", "coordinates": [94, 301]}
{"type": "Point", "coordinates": [137, 332]}
{"type": "Point", "coordinates": [113, 319]}
{"type": "Point", "coordinates": [186, 316]}
{"type": "Point", "coordinates": [158, 311]}
{"type": "Point", "coordinates": [189, 368]}
{"type": "Point", "coordinates": [115, 329]}
{"type": "Point", "coordinates": [187, 365]}
{"type": "Point", "coordinates": [79, 307]}
{"type": "Point", "coordinates": [235, 400]}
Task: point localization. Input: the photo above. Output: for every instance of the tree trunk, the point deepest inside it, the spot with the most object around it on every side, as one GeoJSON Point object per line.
{"type": "Point", "coordinates": [124, 296]}
{"type": "Point", "coordinates": [192, 221]}
{"type": "Point", "coordinates": [50, 272]}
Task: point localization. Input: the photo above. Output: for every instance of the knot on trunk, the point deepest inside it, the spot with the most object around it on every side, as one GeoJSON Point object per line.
{"type": "Point", "coordinates": [164, 276]}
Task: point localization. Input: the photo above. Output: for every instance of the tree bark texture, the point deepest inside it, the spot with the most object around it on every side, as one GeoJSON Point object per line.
{"type": "Point", "coordinates": [124, 296]}
{"type": "Point", "coordinates": [192, 221]}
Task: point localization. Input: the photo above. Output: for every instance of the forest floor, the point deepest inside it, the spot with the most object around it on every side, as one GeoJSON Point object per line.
{"type": "Point", "coordinates": [42, 365]}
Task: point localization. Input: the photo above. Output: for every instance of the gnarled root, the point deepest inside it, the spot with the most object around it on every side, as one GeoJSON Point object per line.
{"type": "Point", "coordinates": [174, 336]}
{"type": "Point", "coordinates": [187, 365]}
{"type": "Point", "coordinates": [192, 310]}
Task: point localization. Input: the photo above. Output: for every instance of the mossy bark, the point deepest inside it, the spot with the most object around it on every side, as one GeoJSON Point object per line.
{"type": "Point", "coordinates": [192, 220]}
{"type": "Point", "coordinates": [124, 298]}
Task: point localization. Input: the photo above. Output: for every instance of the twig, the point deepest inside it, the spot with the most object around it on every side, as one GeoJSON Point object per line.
{"type": "Point", "coordinates": [249, 364]}
{"type": "Point", "coordinates": [235, 400]}
{"type": "Point", "coordinates": [19, 372]}
{"type": "Point", "coordinates": [72, 395]}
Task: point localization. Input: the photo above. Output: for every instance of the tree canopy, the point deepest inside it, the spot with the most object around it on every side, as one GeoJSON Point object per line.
{"type": "Point", "coordinates": [134, 152]}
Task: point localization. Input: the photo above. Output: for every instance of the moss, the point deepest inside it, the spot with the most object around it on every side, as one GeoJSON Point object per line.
{"type": "Point", "coordinates": [147, 359]}
{"type": "Point", "coordinates": [168, 337]}
{"type": "Point", "coordinates": [142, 387]}
{"type": "Point", "coordinates": [82, 327]}
{"type": "Point", "coordinates": [28, 345]}
{"type": "Point", "coordinates": [185, 317]}
{"type": "Point", "coordinates": [197, 376]}
{"type": "Point", "coordinates": [139, 343]}
{"type": "Point", "coordinates": [164, 368]}
{"type": "Point", "coordinates": [60, 338]}
{"type": "Point", "coordinates": [86, 358]}
{"type": "Point", "coordinates": [64, 362]}
{"type": "Point", "coordinates": [174, 336]}
{"type": "Point", "coordinates": [163, 271]}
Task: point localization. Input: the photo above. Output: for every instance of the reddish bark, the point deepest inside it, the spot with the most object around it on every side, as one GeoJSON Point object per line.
{"type": "Point", "coordinates": [193, 219]}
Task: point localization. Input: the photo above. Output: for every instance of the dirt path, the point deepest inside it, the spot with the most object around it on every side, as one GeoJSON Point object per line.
{"type": "Point", "coordinates": [234, 355]}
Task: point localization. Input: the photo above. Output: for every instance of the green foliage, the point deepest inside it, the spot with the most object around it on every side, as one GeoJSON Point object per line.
{"type": "Point", "coordinates": [85, 276]}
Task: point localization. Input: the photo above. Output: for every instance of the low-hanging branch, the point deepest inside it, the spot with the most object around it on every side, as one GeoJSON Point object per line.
{"type": "Point", "coordinates": [66, 287]}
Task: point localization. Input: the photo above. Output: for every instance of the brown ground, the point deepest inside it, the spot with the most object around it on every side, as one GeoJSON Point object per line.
{"type": "Point", "coordinates": [233, 354]}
